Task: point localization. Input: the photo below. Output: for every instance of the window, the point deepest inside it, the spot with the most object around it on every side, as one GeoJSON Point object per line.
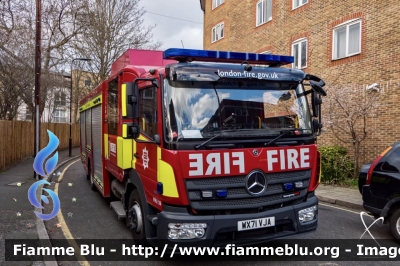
{"type": "Point", "coordinates": [264, 11]}
{"type": "Point", "coordinates": [298, 3]}
{"type": "Point", "coordinates": [299, 51]}
{"type": "Point", "coordinates": [113, 107]}
{"type": "Point", "coordinates": [218, 32]}
{"type": "Point", "coordinates": [347, 39]}
{"type": "Point", "coordinates": [88, 82]}
{"type": "Point", "coordinates": [148, 111]}
{"type": "Point", "coordinates": [392, 163]}
{"type": "Point", "coordinates": [59, 116]}
{"type": "Point", "coordinates": [60, 99]}
{"type": "Point", "coordinates": [28, 115]}
{"type": "Point", "coordinates": [216, 3]}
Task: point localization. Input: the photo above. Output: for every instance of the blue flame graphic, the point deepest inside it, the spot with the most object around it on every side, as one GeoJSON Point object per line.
{"type": "Point", "coordinates": [38, 167]}
{"type": "Point", "coordinates": [32, 198]}
{"type": "Point", "coordinates": [44, 153]}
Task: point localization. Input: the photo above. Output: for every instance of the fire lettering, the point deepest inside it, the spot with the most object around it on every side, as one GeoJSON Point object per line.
{"type": "Point", "coordinates": [231, 161]}
{"type": "Point", "coordinates": [288, 159]}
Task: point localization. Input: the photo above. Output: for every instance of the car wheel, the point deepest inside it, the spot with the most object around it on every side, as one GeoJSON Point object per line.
{"type": "Point", "coordinates": [135, 218]}
{"type": "Point", "coordinates": [394, 225]}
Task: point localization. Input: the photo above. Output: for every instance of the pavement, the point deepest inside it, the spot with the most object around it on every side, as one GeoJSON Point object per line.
{"type": "Point", "coordinates": [18, 221]}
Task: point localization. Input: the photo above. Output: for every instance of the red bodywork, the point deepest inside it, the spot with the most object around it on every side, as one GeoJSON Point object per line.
{"type": "Point", "coordinates": [186, 164]}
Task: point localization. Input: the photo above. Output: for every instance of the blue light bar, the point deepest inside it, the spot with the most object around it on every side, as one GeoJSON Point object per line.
{"type": "Point", "coordinates": [226, 57]}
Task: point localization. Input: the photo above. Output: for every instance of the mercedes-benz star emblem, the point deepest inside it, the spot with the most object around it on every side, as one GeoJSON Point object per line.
{"type": "Point", "coordinates": [255, 152]}
{"type": "Point", "coordinates": [256, 183]}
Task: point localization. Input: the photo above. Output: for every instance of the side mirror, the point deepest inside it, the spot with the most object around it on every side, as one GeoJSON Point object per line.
{"type": "Point", "coordinates": [317, 126]}
{"type": "Point", "coordinates": [316, 102]}
{"type": "Point", "coordinates": [318, 88]}
{"type": "Point", "coordinates": [157, 139]}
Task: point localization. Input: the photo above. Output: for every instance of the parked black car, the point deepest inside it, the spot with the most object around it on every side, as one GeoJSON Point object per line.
{"type": "Point", "coordinates": [379, 184]}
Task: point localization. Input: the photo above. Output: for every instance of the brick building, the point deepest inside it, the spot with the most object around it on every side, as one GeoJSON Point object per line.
{"type": "Point", "coordinates": [352, 45]}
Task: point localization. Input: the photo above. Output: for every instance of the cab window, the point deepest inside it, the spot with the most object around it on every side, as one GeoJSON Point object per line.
{"type": "Point", "coordinates": [148, 111]}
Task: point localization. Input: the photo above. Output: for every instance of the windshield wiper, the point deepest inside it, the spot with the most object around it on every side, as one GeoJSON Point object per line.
{"type": "Point", "coordinates": [216, 136]}
{"type": "Point", "coordinates": [296, 131]}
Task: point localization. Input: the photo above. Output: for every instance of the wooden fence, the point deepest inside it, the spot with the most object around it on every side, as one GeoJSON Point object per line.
{"type": "Point", "coordinates": [17, 139]}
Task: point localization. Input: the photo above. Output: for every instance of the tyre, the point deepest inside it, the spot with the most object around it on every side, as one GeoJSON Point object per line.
{"type": "Point", "coordinates": [394, 225]}
{"type": "Point", "coordinates": [135, 218]}
{"type": "Point", "coordinates": [92, 185]}
{"type": "Point", "coordinates": [88, 175]}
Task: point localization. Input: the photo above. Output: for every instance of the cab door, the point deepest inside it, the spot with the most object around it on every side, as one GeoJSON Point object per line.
{"type": "Point", "coordinates": [146, 149]}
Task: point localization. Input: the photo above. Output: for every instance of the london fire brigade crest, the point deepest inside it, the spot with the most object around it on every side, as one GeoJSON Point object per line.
{"type": "Point", "coordinates": [145, 158]}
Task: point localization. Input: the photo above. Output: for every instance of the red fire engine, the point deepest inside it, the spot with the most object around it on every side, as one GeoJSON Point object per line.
{"type": "Point", "coordinates": [211, 146]}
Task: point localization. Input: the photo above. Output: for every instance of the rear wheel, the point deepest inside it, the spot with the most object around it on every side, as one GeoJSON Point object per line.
{"type": "Point", "coordinates": [88, 174]}
{"type": "Point", "coordinates": [92, 185]}
{"type": "Point", "coordinates": [394, 225]}
{"type": "Point", "coordinates": [135, 218]}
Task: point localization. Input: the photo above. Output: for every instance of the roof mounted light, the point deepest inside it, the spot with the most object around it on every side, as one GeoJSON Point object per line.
{"type": "Point", "coordinates": [188, 55]}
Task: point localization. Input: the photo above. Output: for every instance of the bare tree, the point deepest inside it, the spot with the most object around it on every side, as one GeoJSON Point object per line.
{"type": "Point", "coordinates": [347, 114]}
{"type": "Point", "coordinates": [113, 26]}
{"type": "Point", "coordinates": [61, 23]}
{"type": "Point", "coordinates": [9, 89]}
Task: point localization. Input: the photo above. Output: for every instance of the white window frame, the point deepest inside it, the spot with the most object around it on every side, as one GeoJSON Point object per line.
{"type": "Point", "coordinates": [59, 115]}
{"type": "Point", "coordinates": [217, 3]}
{"type": "Point", "coordinates": [60, 99]}
{"type": "Point", "coordinates": [264, 6]}
{"type": "Point", "coordinates": [346, 24]}
{"type": "Point", "coordinates": [299, 41]}
{"type": "Point", "coordinates": [216, 28]}
{"type": "Point", "coordinates": [300, 3]}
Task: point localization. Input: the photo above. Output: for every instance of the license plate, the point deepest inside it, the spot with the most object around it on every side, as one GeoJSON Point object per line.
{"type": "Point", "coordinates": [256, 223]}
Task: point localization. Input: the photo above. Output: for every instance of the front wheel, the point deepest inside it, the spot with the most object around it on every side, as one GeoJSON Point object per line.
{"type": "Point", "coordinates": [394, 225]}
{"type": "Point", "coordinates": [135, 218]}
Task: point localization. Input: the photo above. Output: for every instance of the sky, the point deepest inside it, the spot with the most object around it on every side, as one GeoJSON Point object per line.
{"type": "Point", "coordinates": [177, 22]}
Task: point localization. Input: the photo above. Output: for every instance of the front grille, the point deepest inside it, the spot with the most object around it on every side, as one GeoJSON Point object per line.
{"type": "Point", "coordinates": [237, 195]}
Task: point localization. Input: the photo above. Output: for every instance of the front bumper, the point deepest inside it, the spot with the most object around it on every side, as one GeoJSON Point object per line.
{"type": "Point", "coordinates": [222, 229]}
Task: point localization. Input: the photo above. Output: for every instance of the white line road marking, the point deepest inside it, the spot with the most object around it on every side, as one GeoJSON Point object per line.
{"type": "Point", "coordinates": [343, 209]}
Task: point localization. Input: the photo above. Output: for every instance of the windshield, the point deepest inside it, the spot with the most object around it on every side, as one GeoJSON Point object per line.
{"type": "Point", "coordinates": [201, 109]}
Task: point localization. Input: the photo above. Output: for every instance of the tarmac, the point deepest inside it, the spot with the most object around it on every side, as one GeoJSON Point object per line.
{"type": "Point", "coordinates": [18, 221]}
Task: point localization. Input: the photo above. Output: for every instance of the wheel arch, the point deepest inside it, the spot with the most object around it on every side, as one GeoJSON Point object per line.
{"type": "Point", "coordinates": [391, 207]}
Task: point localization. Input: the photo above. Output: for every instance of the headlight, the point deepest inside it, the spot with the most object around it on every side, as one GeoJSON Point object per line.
{"type": "Point", "coordinates": [308, 214]}
{"type": "Point", "coordinates": [186, 230]}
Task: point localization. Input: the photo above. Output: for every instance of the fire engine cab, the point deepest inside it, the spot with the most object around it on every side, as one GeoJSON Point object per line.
{"type": "Point", "coordinates": [205, 146]}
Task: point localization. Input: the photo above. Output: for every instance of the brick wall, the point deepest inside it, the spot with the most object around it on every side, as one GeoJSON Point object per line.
{"type": "Point", "coordinates": [378, 62]}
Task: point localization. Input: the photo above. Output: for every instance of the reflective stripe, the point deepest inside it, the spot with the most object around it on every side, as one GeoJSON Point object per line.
{"type": "Point", "coordinates": [123, 100]}
{"type": "Point", "coordinates": [92, 102]}
{"type": "Point", "coordinates": [106, 146]}
{"type": "Point", "coordinates": [165, 175]}
{"type": "Point", "coordinates": [124, 153]}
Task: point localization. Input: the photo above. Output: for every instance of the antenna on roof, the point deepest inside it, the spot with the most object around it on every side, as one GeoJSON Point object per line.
{"type": "Point", "coordinates": [182, 44]}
